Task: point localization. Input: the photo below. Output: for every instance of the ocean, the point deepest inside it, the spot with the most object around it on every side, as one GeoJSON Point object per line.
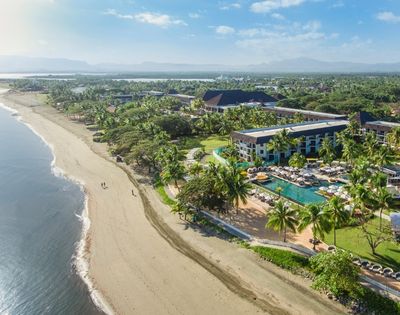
{"type": "Point", "coordinates": [40, 228]}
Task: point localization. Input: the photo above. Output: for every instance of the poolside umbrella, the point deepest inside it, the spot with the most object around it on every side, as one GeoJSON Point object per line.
{"type": "Point", "coordinates": [323, 188]}
{"type": "Point", "coordinates": [337, 194]}
{"type": "Point", "coordinates": [330, 191]}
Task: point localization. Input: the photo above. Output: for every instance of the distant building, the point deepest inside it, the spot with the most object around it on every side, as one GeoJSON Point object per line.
{"type": "Point", "coordinates": [151, 93]}
{"type": "Point", "coordinates": [307, 114]}
{"type": "Point", "coordinates": [255, 141]}
{"type": "Point", "coordinates": [370, 124]}
{"type": "Point", "coordinates": [220, 100]}
{"type": "Point", "coordinates": [393, 174]}
{"type": "Point", "coordinates": [185, 99]}
{"type": "Point", "coordinates": [381, 128]}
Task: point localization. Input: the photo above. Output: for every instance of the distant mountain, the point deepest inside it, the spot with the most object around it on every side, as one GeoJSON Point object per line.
{"type": "Point", "coordinates": [33, 64]}
{"type": "Point", "coordinates": [299, 65]}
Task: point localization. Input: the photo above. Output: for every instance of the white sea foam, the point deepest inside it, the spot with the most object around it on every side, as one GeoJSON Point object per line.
{"type": "Point", "coordinates": [80, 259]}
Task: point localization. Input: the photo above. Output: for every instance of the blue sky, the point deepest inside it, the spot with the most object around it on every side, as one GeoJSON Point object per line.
{"type": "Point", "coordinates": [202, 31]}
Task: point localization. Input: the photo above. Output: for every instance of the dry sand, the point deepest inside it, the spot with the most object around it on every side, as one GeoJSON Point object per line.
{"type": "Point", "coordinates": [142, 259]}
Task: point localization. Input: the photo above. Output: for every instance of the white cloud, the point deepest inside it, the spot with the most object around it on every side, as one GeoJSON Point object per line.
{"type": "Point", "coordinates": [388, 16]}
{"type": "Point", "coordinates": [230, 6]}
{"type": "Point", "coordinates": [312, 26]}
{"type": "Point", "coordinates": [271, 5]}
{"type": "Point", "coordinates": [277, 16]}
{"type": "Point", "coordinates": [161, 20]}
{"type": "Point", "coordinates": [194, 15]}
{"type": "Point", "coordinates": [224, 30]}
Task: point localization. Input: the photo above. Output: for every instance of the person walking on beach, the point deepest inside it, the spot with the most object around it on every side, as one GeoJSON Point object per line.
{"type": "Point", "coordinates": [133, 193]}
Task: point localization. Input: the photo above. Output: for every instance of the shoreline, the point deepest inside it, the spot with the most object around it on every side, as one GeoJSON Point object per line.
{"type": "Point", "coordinates": [173, 254]}
{"type": "Point", "coordinates": [79, 261]}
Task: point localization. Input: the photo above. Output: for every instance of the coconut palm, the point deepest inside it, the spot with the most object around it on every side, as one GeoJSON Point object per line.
{"type": "Point", "coordinates": [316, 216]}
{"type": "Point", "coordinates": [382, 198]}
{"type": "Point", "coordinates": [327, 151]}
{"type": "Point", "coordinates": [281, 217]}
{"type": "Point", "coordinates": [371, 144]}
{"type": "Point", "coordinates": [237, 187]}
{"type": "Point", "coordinates": [337, 213]}
{"type": "Point", "coordinates": [383, 156]}
{"type": "Point", "coordinates": [297, 160]}
{"type": "Point", "coordinates": [393, 138]}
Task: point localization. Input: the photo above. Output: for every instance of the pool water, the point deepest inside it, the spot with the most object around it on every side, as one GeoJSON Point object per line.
{"type": "Point", "coordinates": [302, 195]}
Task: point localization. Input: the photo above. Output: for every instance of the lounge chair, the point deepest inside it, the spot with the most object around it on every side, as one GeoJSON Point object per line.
{"type": "Point", "coordinates": [365, 264]}
{"type": "Point", "coordinates": [387, 272]}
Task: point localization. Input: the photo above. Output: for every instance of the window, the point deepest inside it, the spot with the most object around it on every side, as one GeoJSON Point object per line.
{"type": "Point", "coordinates": [261, 151]}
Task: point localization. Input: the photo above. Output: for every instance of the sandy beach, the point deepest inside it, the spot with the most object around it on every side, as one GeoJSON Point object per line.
{"type": "Point", "coordinates": [142, 259]}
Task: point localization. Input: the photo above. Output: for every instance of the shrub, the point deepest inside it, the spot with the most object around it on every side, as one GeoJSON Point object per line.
{"type": "Point", "coordinates": [376, 303]}
{"type": "Point", "coordinates": [335, 272]}
{"type": "Point", "coordinates": [282, 258]}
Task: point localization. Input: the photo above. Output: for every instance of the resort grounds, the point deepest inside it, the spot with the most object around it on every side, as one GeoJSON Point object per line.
{"type": "Point", "coordinates": [142, 259]}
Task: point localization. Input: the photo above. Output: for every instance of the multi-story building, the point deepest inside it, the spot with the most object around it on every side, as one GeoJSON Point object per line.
{"type": "Point", "coordinates": [381, 128]}
{"type": "Point", "coordinates": [308, 115]}
{"type": "Point", "coordinates": [255, 141]}
{"type": "Point", "coordinates": [220, 100]}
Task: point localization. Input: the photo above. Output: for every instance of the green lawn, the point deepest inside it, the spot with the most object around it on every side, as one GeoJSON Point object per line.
{"type": "Point", "coordinates": [207, 143]}
{"type": "Point", "coordinates": [352, 239]}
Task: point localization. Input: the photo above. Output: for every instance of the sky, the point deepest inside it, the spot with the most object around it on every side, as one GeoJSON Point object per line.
{"type": "Point", "coordinates": [237, 32]}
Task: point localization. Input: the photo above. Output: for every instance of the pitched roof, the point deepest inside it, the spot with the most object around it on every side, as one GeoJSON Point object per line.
{"type": "Point", "coordinates": [230, 97]}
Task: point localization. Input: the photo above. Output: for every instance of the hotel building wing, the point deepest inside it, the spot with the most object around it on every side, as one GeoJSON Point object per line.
{"type": "Point", "coordinates": [255, 141]}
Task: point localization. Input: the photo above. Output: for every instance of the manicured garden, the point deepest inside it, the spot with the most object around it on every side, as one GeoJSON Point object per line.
{"type": "Point", "coordinates": [353, 239]}
{"type": "Point", "coordinates": [207, 143]}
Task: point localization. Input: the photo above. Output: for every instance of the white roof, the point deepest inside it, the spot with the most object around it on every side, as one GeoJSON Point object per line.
{"type": "Point", "coordinates": [384, 123]}
{"type": "Point", "coordinates": [308, 112]}
{"type": "Point", "coordinates": [295, 128]}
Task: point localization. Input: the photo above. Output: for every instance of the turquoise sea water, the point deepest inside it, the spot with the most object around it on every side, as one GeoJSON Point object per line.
{"type": "Point", "coordinates": [39, 229]}
{"type": "Point", "coordinates": [303, 195]}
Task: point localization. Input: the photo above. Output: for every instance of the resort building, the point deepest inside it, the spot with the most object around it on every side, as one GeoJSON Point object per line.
{"type": "Point", "coordinates": [381, 128]}
{"type": "Point", "coordinates": [393, 174]}
{"type": "Point", "coordinates": [184, 99]}
{"type": "Point", "coordinates": [307, 114]}
{"type": "Point", "coordinates": [220, 100]}
{"type": "Point", "coordinates": [255, 141]}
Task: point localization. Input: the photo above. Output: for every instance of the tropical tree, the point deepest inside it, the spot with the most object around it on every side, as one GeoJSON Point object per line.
{"type": "Point", "coordinates": [393, 138]}
{"type": "Point", "coordinates": [281, 217]}
{"type": "Point", "coordinates": [237, 186]}
{"type": "Point", "coordinates": [337, 213]}
{"type": "Point", "coordinates": [195, 169]}
{"type": "Point", "coordinates": [335, 273]}
{"type": "Point", "coordinates": [382, 198]}
{"type": "Point", "coordinates": [327, 151]}
{"type": "Point", "coordinates": [383, 156]}
{"type": "Point", "coordinates": [371, 144]}
{"type": "Point", "coordinates": [173, 171]}
{"type": "Point", "coordinates": [316, 216]}
{"type": "Point", "coordinates": [297, 160]}
{"type": "Point", "coordinates": [281, 142]}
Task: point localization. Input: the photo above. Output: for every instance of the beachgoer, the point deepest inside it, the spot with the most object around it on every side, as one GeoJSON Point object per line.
{"type": "Point", "coordinates": [133, 193]}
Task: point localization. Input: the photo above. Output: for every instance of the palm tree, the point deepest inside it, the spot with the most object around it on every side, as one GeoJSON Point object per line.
{"type": "Point", "coordinates": [281, 142]}
{"type": "Point", "coordinates": [316, 216]}
{"type": "Point", "coordinates": [382, 198]}
{"type": "Point", "coordinates": [173, 171]}
{"type": "Point", "coordinates": [327, 151]}
{"type": "Point", "coordinates": [371, 144]}
{"type": "Point", "coordinates": [337, 214]}
{"type": "Point", "coordinates": [282, 217]}
{"type": "Point", "coordinates": [237, 187]}
{"type": "Point", "coordinates": [297, 160]}
{"type": "Point", "coordinates": [383, 156]}
{"type": "Point", "coordinates": [195, 169]}
{"type": "Point", "coordinates": [393, 138]}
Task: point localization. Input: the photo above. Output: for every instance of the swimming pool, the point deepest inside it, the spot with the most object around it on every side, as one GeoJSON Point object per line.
{"type": "Point", "coordinates": [302, 195]}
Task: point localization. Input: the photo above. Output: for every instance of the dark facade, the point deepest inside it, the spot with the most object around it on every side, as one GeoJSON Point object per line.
{"type": "Point", "coordinates": [216, 100]}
